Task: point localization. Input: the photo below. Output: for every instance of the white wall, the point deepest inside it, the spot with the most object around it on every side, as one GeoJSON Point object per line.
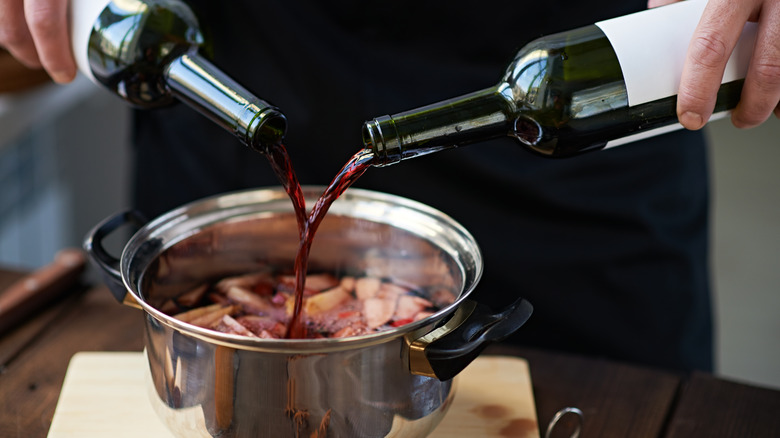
{"type": "Point", "coordinates": [746, 250]}
{"type": "Point", "coordinates": [63, 167]}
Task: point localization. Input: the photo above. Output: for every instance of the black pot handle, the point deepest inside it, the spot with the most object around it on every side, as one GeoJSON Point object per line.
{"type": "Point", "coordinates": [451, 352]}
{"type": "Point", "coordinates": [109, 265]}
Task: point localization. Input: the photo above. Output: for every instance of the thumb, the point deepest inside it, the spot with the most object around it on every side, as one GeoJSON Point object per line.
{"type": "Point", "coordinates": [655, 3]}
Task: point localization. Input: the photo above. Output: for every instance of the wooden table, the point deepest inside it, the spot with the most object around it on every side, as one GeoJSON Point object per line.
{"type": "Point", "coordinates": [618, 400]}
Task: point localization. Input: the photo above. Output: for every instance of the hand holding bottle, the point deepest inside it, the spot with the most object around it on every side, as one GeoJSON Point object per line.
{"type": "Point", "coordinates": [150, 64]}
{"type": "Point", "coordinates": [712, 43]}
{"type": "Point", "coordinates": [36, 33]}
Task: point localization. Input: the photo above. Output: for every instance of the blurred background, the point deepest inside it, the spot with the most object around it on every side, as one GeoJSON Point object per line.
{"type": "Point", "coordinates": [64, 166]}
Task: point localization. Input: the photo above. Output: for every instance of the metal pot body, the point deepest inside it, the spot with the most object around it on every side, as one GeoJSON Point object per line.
{"type": "Point", "coordinates": [201, 388]}
{"type": "Point", "coordinates": [205, 383]}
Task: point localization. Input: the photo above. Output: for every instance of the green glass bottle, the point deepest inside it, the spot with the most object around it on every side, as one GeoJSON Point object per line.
{"type": "Point", "coordinates": [147, 52]}
{"type": "Point", "coordinates": [564, 94]}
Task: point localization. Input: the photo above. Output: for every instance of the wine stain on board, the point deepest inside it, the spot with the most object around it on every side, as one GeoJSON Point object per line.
{"type": "Point", "coordinates": [518, 428]}
{"type": "Point", "coordinates": [510, 427]}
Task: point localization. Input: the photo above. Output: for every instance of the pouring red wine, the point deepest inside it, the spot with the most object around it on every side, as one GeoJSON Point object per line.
{"type": "Point", "coordinates": [274, 304]}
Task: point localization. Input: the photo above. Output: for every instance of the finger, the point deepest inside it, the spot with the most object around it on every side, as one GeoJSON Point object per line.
{"type": "Point", "coordinates": [48, 24]}
{"type": "Point", "coordinates": [656, 3]}
{"type": "Point", "coordinates": [711, 45]}
{"type": "Point", "coordinates": [14, 35]}
{"type": "Point", "coordinates": [761, 92]}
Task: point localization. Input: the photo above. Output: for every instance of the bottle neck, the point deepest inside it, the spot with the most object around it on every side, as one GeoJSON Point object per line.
{"type": "Point", "coordinates": [202, 86]}
{"type": "Point", "coordinates": [473, 117]}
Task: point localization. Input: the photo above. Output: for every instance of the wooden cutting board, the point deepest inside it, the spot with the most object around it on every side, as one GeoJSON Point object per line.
{"type": "Point", "coordinates": [105, 394]}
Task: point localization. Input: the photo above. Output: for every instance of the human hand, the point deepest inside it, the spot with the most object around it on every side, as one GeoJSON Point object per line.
{"type": "Point", "coordinates": [713, 41]}
{"type": "Point", "coordinates": [36, 33]}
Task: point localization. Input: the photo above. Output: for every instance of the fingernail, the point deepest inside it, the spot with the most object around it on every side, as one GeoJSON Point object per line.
{"type": "Point", "coordinates": [62, 77]}
{"type": "Point", "coordinates": [691, 120]}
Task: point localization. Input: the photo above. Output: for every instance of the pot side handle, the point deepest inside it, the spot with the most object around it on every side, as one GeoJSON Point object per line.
{"type": "Point", "coordinates": [472, 328]}
{"type": "Point", "coordinates": [109, 265]}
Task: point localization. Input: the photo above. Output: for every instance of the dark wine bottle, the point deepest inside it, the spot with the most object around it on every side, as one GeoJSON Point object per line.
{"type": "Point", "coordinates": [147, 52]}
{"type": "Point", "coordinates": [582, 90]}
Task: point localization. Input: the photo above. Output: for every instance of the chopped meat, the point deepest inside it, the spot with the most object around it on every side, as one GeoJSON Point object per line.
{"type": "Point", "coordinates": [250, 302]}
{"type": "Point", "coordinates": [348, 283]}
{"type": "Point", "coordinates": [218, 298]}
{"type": "Point", "coordinates": [261, 283]}
{"type": "Point", "coordinates": [259, 324]}
{"type": "Point", "coordinates": [205, 316]}
{"type": "Point", "coordinates": [367, 287]}
{"type": "Point", "coordinates": [378, 311]}
{"type": "Point", "coordinates": [321, 282]}
{"type": "Point", "coordinates": [314, 283]}
{"type": "Point", "coordinates": [231, 326]}
{"type": "Point", "coordinates": [345, 332]}
{"type": "Point", "coordinates": [442, 297]}
{"type": "Point", "coordinates": [261, 304]}
{"type": "Point", "coordinates": [197, 312]}
{"type": "Point", "coordinates": [325, 301]}
{"type": "Point", "coordinates": [409, 306]}
{"type": "Point", "coordinates": [391, 290]}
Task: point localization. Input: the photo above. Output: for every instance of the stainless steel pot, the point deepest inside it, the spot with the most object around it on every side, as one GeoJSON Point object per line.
{"type": "Point", "coordinates": [396, 383]}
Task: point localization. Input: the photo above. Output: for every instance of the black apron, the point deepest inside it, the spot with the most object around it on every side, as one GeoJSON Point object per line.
{"type": "Point", "coordinates": [610, 247]}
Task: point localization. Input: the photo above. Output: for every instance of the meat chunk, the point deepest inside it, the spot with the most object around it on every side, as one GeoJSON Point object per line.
{"type": "Point", "coordinates": [442, 297]}
{"type": "Point", "coordinates": [261, 304]}
{"type": "Point", "coordinates": [348, 283]}
{"type": "Point", "coordinates": [314, 283]}
{"type": "Point", "coordinates": [325, 301]}
{"type": "Point", "coordinates": [378, 311]}
{"type": "Point", "coordinates": [367, 287]}
{"type": "Point", "coordinates": [409, 306]}
{"type": "Point", "coordinates": [261, 283]}
{"type": "Point", "coordinates": [205, 316]}
{"type": "Point", "coordinates": [250, 302]}
{"type": "Point", "coordinates": [229, 325]}
{"type": "Point", "coordinates": [259, 324]}
{"type": "Point", "coordinates": [391, 290]}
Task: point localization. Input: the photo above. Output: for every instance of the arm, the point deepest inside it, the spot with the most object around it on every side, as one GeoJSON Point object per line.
{"type": "Point", "coordinates": [710, 48]}
{"type": "Point", "coordinates": [36, 33]}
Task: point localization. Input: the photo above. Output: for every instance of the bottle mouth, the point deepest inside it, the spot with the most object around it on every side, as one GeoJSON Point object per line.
{"type": "Point", "coordinates": [381, 137]}
{"type": "Point", "coordinates": [267, 128]}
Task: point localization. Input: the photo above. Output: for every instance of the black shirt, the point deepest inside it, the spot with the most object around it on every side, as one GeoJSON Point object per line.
{"type": "Point", "coordinates": [610, 247]}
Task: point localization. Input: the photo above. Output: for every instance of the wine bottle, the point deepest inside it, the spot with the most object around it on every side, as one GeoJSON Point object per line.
{"type": "Point", "coordinates": [147, 52]}
{"type": "Point", "coordinates": [595, 87]}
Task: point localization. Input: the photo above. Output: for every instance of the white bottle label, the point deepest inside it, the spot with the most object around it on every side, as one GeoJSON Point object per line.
{"type": "Point", "coordinates": [83, 14]}
{"type": "Point", "coordinates": [651, 47]}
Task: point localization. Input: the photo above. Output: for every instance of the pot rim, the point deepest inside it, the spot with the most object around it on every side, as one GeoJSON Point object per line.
{"type": "Point", "coordinates": [243, 202]}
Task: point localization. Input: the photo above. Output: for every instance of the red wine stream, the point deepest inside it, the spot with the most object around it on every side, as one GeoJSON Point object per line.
{"type": "Point", "coordinates": [308, 224]}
